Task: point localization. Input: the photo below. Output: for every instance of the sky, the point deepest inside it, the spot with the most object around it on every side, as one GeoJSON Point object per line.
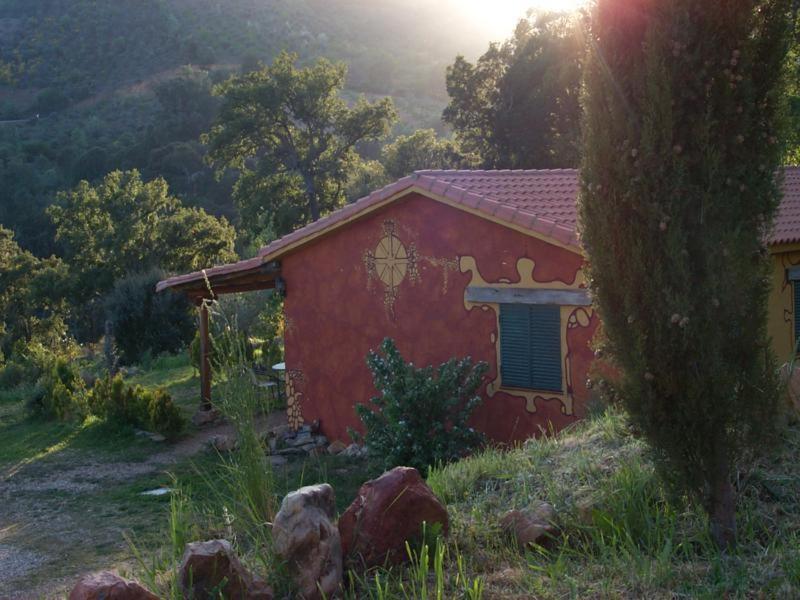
{"type": "Point", "coordinates": [499, 17]}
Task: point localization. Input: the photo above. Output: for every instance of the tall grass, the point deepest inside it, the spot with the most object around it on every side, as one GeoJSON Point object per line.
{"type": "Point", "coordinates": [247, 490]}
{"type": "Point", "coordinates": [240, 485]}
{"type": "Point", "coordinates": [434, 572]}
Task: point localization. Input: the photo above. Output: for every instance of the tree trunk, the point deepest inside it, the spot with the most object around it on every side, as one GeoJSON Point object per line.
{"type": "Point", "coordinates": [311, 196]}
{"type": "Point", "coordinates": [722, 510]}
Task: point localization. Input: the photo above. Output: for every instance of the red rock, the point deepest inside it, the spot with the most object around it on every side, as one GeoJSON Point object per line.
{"type": "Point", "coordinates": [204, 567]}
{"type": "Point", "coordinates": [107, 586]}
{"type": "Point", "coordinates": [387, 512]}
{"type": "Point", "coordinates": [530, 526]}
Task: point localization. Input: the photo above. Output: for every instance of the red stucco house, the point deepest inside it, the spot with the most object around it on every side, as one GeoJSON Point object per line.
{"type": "Point", "coordinates": [448, 264]}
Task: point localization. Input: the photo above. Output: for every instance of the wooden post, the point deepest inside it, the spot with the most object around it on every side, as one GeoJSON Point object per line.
{"type": "Point", "coordinates": [205, 363]}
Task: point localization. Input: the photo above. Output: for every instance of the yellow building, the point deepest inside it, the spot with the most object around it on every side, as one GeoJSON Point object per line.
{"type": "Point", "coordinates": [784, 298]}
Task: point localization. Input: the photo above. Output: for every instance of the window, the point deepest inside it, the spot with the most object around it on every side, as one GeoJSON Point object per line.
{"type": "Point", "coordinates": [530, 346]}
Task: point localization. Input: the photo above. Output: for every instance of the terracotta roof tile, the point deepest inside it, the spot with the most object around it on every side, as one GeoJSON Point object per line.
{"type": "Point", "coordinates": [787, 221]}
{"type": "Point", "coordinates": [543, 201]}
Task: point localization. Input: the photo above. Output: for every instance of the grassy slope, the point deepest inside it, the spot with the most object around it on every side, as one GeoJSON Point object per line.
{"type": "Point", "coordinates": [622, 536]}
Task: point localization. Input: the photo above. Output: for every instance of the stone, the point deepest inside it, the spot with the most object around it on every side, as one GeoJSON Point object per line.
{"type": "Point", "coordinates": [108, 586]}
{"type": "Point", "coordinates": [278, 461]}
{"type": "Point", "coordinates": [303, 534]}
{"type": "Point", "coordinates": [222, 443]}
{"type": "Point", "coordinates": [153, 437]}
{"type": "Point", "coordinates": [211, 570]}
{"type": "Point", "coordinates": [290, 452]}
{"type": "Point", "coordinates": [530, 526]}
{"type": "Point", "coordinates": [354, 451]}
{"type": "Point", "coordinates": [387, 512]}
{"type": "Point", "coordinates": [336, 447]}
{"type": "Point", "coordinates": [301, 439]}
{"type": "Point", "coordinates": [204, 417]}
{"type": "Point", "coordinates": [280, 431]}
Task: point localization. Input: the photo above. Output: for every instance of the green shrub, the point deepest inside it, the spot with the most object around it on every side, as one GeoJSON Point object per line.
{"type": "Point", "coordinates": [11, 375]}
{"type": "Point", "coordinates": [117, 402]}
{"type": "Point", "coordinates": [163, 415]}
{"type": "Point", "coordinates": [144, 321]}
{"type": "Point", "coordinates": [60, 392]}
{"type": "Point", "coordinates": [420, 417]}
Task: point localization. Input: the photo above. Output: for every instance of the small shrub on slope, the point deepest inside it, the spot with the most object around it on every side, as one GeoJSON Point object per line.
{"type": "Point", "coordinates": [420, 417]}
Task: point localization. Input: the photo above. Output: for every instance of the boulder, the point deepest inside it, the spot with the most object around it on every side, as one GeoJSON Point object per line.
{"type": "Point", "coordinates": [387, 512]}
{"type": "Point", "coordinates": [107, 586]}
{"type": "Point", "coordinates": [304, 535]}
{"type": "Point", "coordinates": [336, 447]}
{"type": "Point", "coordinates": [205, 417]}
{"type": "Point", "coordinates": [210, 570]}
{"type": "Point", "coordinates": [530, 526]}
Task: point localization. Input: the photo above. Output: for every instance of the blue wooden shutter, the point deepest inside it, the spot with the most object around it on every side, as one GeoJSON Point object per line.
{"type": "Point", "coordinates": [545, 337]}
{"type": "Point", "coordinates": [796, 314]}
{"type": "Point", "coordinates": [530, 346]}
{"type": "Point", "coordinates": [515, 355]}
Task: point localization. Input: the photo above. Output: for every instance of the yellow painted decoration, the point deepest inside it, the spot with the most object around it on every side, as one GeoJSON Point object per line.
{"type": "Point", "coordinates": [571, 317]}
{"type": "Point", "coordinates": [294, 409]}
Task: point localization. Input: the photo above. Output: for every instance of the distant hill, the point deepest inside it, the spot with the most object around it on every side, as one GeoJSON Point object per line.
{"type": "Point", "coordinates": [70, 50]}
{"type": "Point", "coordinates": [82, 83]}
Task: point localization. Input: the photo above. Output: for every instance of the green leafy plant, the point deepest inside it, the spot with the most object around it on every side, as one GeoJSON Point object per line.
{"type": "Point", "coordinates": [421, 416]}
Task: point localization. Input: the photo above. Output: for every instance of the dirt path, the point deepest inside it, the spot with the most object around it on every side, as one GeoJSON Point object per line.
{"type": "Point", "coordinates": [59, 516]}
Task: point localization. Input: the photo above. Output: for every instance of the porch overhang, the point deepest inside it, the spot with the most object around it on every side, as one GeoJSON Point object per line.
{"type": "Point", "coordinates": [243, 276]}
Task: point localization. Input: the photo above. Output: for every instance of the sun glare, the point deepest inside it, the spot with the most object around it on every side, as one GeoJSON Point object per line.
{"type": "Point", "coordinates": [500, 16]}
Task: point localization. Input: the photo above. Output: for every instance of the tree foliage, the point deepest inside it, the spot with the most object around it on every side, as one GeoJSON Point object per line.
{"type": "Point", "coordinates": [125, 225]}
{"type": "Point", "coordinates": [146, 322]}
{"type": "Point", "coordinates": [32, 299]}
{"type": "Point", "coordinates": [518, 105]}
{"type": "Point", "coordinates": [683, 122]}
{"type": "Point", "coordinates": [293, 138]}
{"type": "Point", "coordinates": [421, 150]}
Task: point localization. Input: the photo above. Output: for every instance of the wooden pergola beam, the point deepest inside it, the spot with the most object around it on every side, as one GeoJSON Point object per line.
{"type": "Point", "coordinates": [205, 358]}
{"type": "Point", "coordinates": [204, 286]}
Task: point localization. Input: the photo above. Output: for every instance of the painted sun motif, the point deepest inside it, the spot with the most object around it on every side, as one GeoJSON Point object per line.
{"type": "Point", "coordinates": [390, 263]}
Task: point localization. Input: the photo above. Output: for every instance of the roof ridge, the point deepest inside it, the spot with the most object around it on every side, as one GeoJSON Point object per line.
{"type": "Point", "coordinates": [430, 172]}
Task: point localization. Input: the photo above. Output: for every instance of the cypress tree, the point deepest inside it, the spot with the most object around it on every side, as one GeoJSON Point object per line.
{"type": "Point", "coordinates": [682, 129]}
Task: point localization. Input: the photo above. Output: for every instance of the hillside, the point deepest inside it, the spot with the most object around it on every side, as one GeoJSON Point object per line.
{"type": "Point", "coordinates": [79, 82]}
